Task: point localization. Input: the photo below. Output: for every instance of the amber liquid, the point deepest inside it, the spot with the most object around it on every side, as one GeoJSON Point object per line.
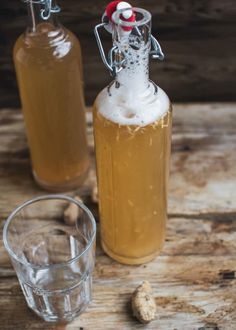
{"type": "Point", "coordinates": [49, 72]}
{"type": "Point", "coordinates": [132, 170]}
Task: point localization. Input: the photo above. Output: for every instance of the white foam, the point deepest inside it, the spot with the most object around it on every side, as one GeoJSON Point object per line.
{"type": "Point", "coordinates": [134, 102]}
{"type": "Point", "coordinates": [141, 110]}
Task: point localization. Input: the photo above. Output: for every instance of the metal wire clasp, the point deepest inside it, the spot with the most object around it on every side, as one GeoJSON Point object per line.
{"type": "Point", "coordinates": [111, 62]}
{"type": "Point", "coordinates": [156, 51]}
{"type": "Point", "coordinates": [48, 7]}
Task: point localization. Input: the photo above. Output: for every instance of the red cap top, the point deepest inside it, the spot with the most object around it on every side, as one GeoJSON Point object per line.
{"type": "Point", "coordinates": [114, 5]}
{"type": "Point", "coordinates": [111, 8]}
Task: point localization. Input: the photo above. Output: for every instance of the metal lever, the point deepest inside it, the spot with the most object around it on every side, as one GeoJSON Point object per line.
{"type": "Point", "coordinates": [156, 51]}
{"type": "Point", "coordinates": [46, 12]}
{"type": "Point", "coordinates": [48, 8]}
{"type": "Point", "coordinates": [115, 66]}
{"type": "Point", "coordinates": [112, 65]}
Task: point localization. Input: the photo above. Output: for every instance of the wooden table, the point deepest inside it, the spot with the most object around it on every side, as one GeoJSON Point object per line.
{"type": "Point", "coordinates": [194, 278]}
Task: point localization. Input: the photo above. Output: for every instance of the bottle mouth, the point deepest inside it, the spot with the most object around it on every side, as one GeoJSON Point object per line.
{"type": "Point", "coordinates": [142, 17]}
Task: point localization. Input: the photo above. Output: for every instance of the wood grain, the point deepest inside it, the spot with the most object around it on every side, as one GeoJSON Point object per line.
{"type": "Point", "coordinates": [194, 277]}
{"type": "Point", "coordinates": [200, 132]}
{"type": "Point", "coordinates": [198, 38]}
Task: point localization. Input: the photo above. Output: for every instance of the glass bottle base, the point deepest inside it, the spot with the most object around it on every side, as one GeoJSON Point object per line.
{"type": "Point", "coordinates": [63, 186]}
{"type": "Point", "coordinates": [129, 260]}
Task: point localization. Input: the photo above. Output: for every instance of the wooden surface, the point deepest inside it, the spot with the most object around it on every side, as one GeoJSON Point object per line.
{"type": "Point", "coordinates": [194, 277]}
{"type": "Point", "coordinates": [198, 38]}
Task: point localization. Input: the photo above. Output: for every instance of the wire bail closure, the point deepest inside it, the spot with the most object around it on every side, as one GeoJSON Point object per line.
{"type": "Point", "coordinates": [48, 7]}
{"type": "Point", "coordinates": [111, 63]}
{"type": "Point", "coordinates": [156, 51]}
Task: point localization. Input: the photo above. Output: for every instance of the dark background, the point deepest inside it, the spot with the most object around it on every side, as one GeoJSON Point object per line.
{"type": "Point", "coordinates": [198, 38]}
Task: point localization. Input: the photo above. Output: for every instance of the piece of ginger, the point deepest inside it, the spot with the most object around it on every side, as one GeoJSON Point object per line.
{"type": "Point", "coordinates": [72, 212]}
{"type": "Point", "coordinates": [143, 303]}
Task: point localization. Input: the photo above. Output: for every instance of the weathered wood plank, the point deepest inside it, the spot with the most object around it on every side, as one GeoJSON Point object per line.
{"type": "Point", "coordinates": [190, 293]}
{"type": "Point", "coordinates": [203, 171]}
{"type": "Point", "coordinates": [185, 237]}
{"type": "Point", "coordinates": [198, 38]}
{"type": "Point", "coordinates": [194, 277]}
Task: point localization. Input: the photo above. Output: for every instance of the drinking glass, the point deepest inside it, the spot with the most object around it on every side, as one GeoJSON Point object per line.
{"type": "Point", "coordinates": [53, 260]}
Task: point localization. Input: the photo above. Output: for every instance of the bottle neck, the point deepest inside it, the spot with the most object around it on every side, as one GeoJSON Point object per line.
{"type": "Point", "coordinates": [133, 44]}
{"type": "Point", "coordinates": [134, 76]}
{"type": "Point", "coordinates": [40, 15]}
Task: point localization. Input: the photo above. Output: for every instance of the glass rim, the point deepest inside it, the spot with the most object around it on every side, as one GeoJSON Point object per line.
{"type": "Point", "coordinates": [118, 21]}
{"type": "Point", "coordinates": [38, 199]}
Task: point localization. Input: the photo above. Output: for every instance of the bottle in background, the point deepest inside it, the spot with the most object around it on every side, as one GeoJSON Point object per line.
{"type": "Point", "coordinates": [49, 69]}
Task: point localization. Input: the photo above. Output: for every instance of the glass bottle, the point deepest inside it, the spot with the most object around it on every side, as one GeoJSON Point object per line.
{"type": "Point", "coordinates": [48, 65]}
{"type": "Point", "coordinates": [132, 124]}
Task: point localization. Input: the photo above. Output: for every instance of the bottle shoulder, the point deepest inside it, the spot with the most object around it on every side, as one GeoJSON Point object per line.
{"type": "Point", "coordinates": [55, 45]}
